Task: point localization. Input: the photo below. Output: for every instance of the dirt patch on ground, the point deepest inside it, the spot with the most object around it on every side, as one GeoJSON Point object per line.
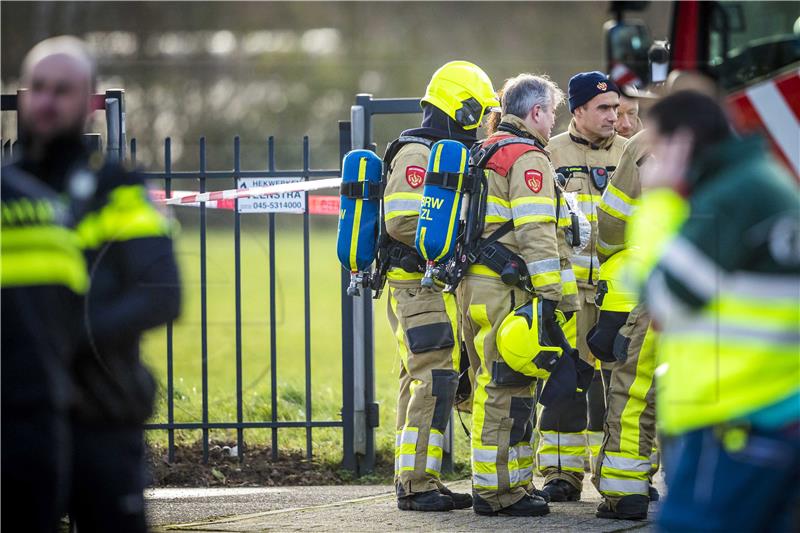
{"type": "Point", "coordinates": [257, 469]}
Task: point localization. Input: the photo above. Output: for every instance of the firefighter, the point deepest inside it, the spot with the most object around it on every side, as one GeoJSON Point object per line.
{"type": "Point", "coordinates": [628, 122]}
{"type": "Point", "coordinates": [626, 460]}
{"type": "Point", "coordinates": [426, 320]}
{"type": "Point", "coordinates": [720, 253]}
{"type": "Point", "coordinates": [134, 287]}
{"type": "Point", "coordinates": [584, 155]}
{"type": "Point", "coordinates": [521, 191]}
{"type": "Point", "coordinates": [43, 274]}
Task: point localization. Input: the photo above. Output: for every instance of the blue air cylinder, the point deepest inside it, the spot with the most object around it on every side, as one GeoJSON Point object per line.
{"type": "Point", "coordinates": [440, 212]}
{"type": "Point", "coordinates": [359, 215]}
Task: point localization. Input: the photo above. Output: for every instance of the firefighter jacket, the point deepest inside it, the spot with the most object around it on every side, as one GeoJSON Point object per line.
{"type": "Point", "coordinates": [584, 165]}
{"type": "Point", "coordinates": [620, 197]}
{"type": "Point", "coordinates": [521, 187]}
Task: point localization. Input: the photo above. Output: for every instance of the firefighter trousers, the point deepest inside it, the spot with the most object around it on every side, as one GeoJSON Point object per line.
{"type": "Point", "coordinates": [502, 457]}
{"type": "Point", "coordinates": [571, 433]}
{"type": "Point", "coordinates": [425, 325]}
{"type": "Point", "coordinates": [626, 460]}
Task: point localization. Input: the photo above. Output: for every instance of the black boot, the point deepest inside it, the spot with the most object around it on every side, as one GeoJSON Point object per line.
{"type": "Point", "coordinates": [633, 507]}
{"type": "Point", "coordinates": [460, 499]}
{"type": "Point", "coordinates": [540, 493]}
{"type": "Point", "coordinates": [527, 506]}
{"type": "Point", "coordinates": [561, 491]}
{"type": "Point", "coordinates": [433, 500]}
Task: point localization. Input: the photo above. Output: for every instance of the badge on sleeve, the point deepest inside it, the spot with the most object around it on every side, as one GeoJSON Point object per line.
{"type": "Point", "coordinates": [533, 179]}
{"type": "Point", "coordinates": [415, 176]}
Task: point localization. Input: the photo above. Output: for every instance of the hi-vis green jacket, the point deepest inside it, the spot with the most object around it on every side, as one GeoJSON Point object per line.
{"type": "Point", "coordinates": [725, 291]}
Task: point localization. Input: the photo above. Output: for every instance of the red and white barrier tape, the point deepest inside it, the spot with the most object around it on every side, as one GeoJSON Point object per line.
{"type": "Point", "coordinates": [317, 204]}
{"type": "Point", "coordinates": [232, 194]}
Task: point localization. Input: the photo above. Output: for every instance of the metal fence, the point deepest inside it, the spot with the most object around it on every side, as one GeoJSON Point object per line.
{"type": "Point", "coordinates": [359, 414]}
{"type": "Point", "coordinates": [222, 179]}
{"type": "Point", "coordinates": [361, 116]}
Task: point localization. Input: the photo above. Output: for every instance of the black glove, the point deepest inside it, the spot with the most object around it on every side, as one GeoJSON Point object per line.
{"type": "Point", "coordinates": [550, 333]}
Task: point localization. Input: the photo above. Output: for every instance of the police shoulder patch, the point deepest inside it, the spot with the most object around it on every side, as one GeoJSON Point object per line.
{"type": "Point", "coordinates": [415, 176]}
{"type": "Point", "coordinates": [533, 179]}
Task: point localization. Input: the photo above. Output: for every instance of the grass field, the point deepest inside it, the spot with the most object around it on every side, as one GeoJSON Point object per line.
{"type": "Point", "coordinates": [326, 364]}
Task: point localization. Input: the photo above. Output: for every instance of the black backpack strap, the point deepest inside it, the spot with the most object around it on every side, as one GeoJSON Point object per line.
{"type": "Point", "coordinates": [364, 190]}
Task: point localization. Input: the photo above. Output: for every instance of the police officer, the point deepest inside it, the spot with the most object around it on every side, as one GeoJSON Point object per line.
{"type": "Point", "coordinates": [425, 320]}
{"type": "Point", "coordinates": [134, 286]}
{"type": "Point", "coordinates": [522, 192]}
{"type": "Point", "coordinates": [43, 274]}
{"type": "Point", "coordinates": [723, 275]}
{"type": "Point", "coordinates": [585, 155]}
{"type": "Point", "coordinates": [626, 460]}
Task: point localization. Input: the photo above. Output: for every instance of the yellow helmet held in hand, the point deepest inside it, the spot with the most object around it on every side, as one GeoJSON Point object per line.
{"type": "Point", "coordinates": [519, 342]}
{"type": "Point", "coordinates": [615, 292]}
{"type": "Point", "coordinates": [463, 91]}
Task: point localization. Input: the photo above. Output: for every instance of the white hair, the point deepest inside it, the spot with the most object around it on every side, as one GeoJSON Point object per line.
{"type": "Point", "coordinates": [521, 93]}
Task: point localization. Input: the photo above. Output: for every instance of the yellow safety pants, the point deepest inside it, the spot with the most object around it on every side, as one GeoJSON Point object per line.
{"type": "Point", "coordinates": [425, 324]}
{"type": "Point", "coordinates": [502, 458]}
{"type": "Point", "coordinates": [627, 458]}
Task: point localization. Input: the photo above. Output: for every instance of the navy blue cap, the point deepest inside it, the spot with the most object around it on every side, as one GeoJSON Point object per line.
{"type": "Point", "coordinates": [586, 85]}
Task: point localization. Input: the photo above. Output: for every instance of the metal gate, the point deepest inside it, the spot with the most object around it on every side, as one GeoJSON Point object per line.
{"type": "Point", "coordinates": [359, 413]}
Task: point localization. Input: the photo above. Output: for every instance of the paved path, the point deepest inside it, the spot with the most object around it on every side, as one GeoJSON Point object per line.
{"type": "Point", "coordinates": [352, 508]}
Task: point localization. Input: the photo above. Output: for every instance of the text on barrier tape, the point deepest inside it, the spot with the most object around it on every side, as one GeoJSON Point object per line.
{"type": "Point", "coordinates": [317, 204]}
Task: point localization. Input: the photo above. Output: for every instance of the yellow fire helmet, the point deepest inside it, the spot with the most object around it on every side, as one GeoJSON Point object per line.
{"type": "Point", "coordinates": [519, 342]}
{"type": "Point", "coordinates": [463, 91]}
{"type": "Point", "coordinates": [615, 289]}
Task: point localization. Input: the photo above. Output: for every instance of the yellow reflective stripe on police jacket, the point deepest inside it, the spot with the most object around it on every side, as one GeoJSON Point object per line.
{"type": "Point", "coordinates": [42, 255]}
{"type": "Point", "coordinates": [127, 215]}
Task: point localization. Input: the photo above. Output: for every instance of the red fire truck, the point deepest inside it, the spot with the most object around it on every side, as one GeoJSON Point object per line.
{"type": "Point", "coordinates": [750, 49]}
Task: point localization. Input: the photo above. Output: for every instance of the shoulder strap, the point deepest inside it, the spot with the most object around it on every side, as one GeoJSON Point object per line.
{"type": "Point", "coordinates": [395, 145]}
{"type": "Point", "coordinates": [501, 155]}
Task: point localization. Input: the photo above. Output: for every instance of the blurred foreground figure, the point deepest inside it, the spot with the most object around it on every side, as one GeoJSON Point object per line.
{"type": "Point", "coordinates": [43, 276]}
{"type": "Point", "coordinates": [719, 240]}
{"type": "Point", "coordinates": [133, 286]}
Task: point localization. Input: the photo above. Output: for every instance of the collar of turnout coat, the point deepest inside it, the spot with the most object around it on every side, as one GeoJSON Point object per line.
{"type": "Point", "coordinates": [518, 123]}
{"type": "Point", "coordinates": [585, 143]}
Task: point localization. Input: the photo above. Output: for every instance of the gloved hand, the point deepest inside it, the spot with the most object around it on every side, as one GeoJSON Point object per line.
{"type": "Point", "coordinates": [554, 335]}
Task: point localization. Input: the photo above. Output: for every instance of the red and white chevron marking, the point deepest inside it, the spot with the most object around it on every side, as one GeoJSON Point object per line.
{"type": "Point", "coordinates": [773, 107]}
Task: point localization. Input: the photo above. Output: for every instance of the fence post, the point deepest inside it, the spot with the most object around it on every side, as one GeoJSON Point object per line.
{"type": "Point", "coordinates": [115, 125]}
{"type": "Point", "coordinates": [349, 459]}
{"type": "Point", "coordinates": [365, 410]}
